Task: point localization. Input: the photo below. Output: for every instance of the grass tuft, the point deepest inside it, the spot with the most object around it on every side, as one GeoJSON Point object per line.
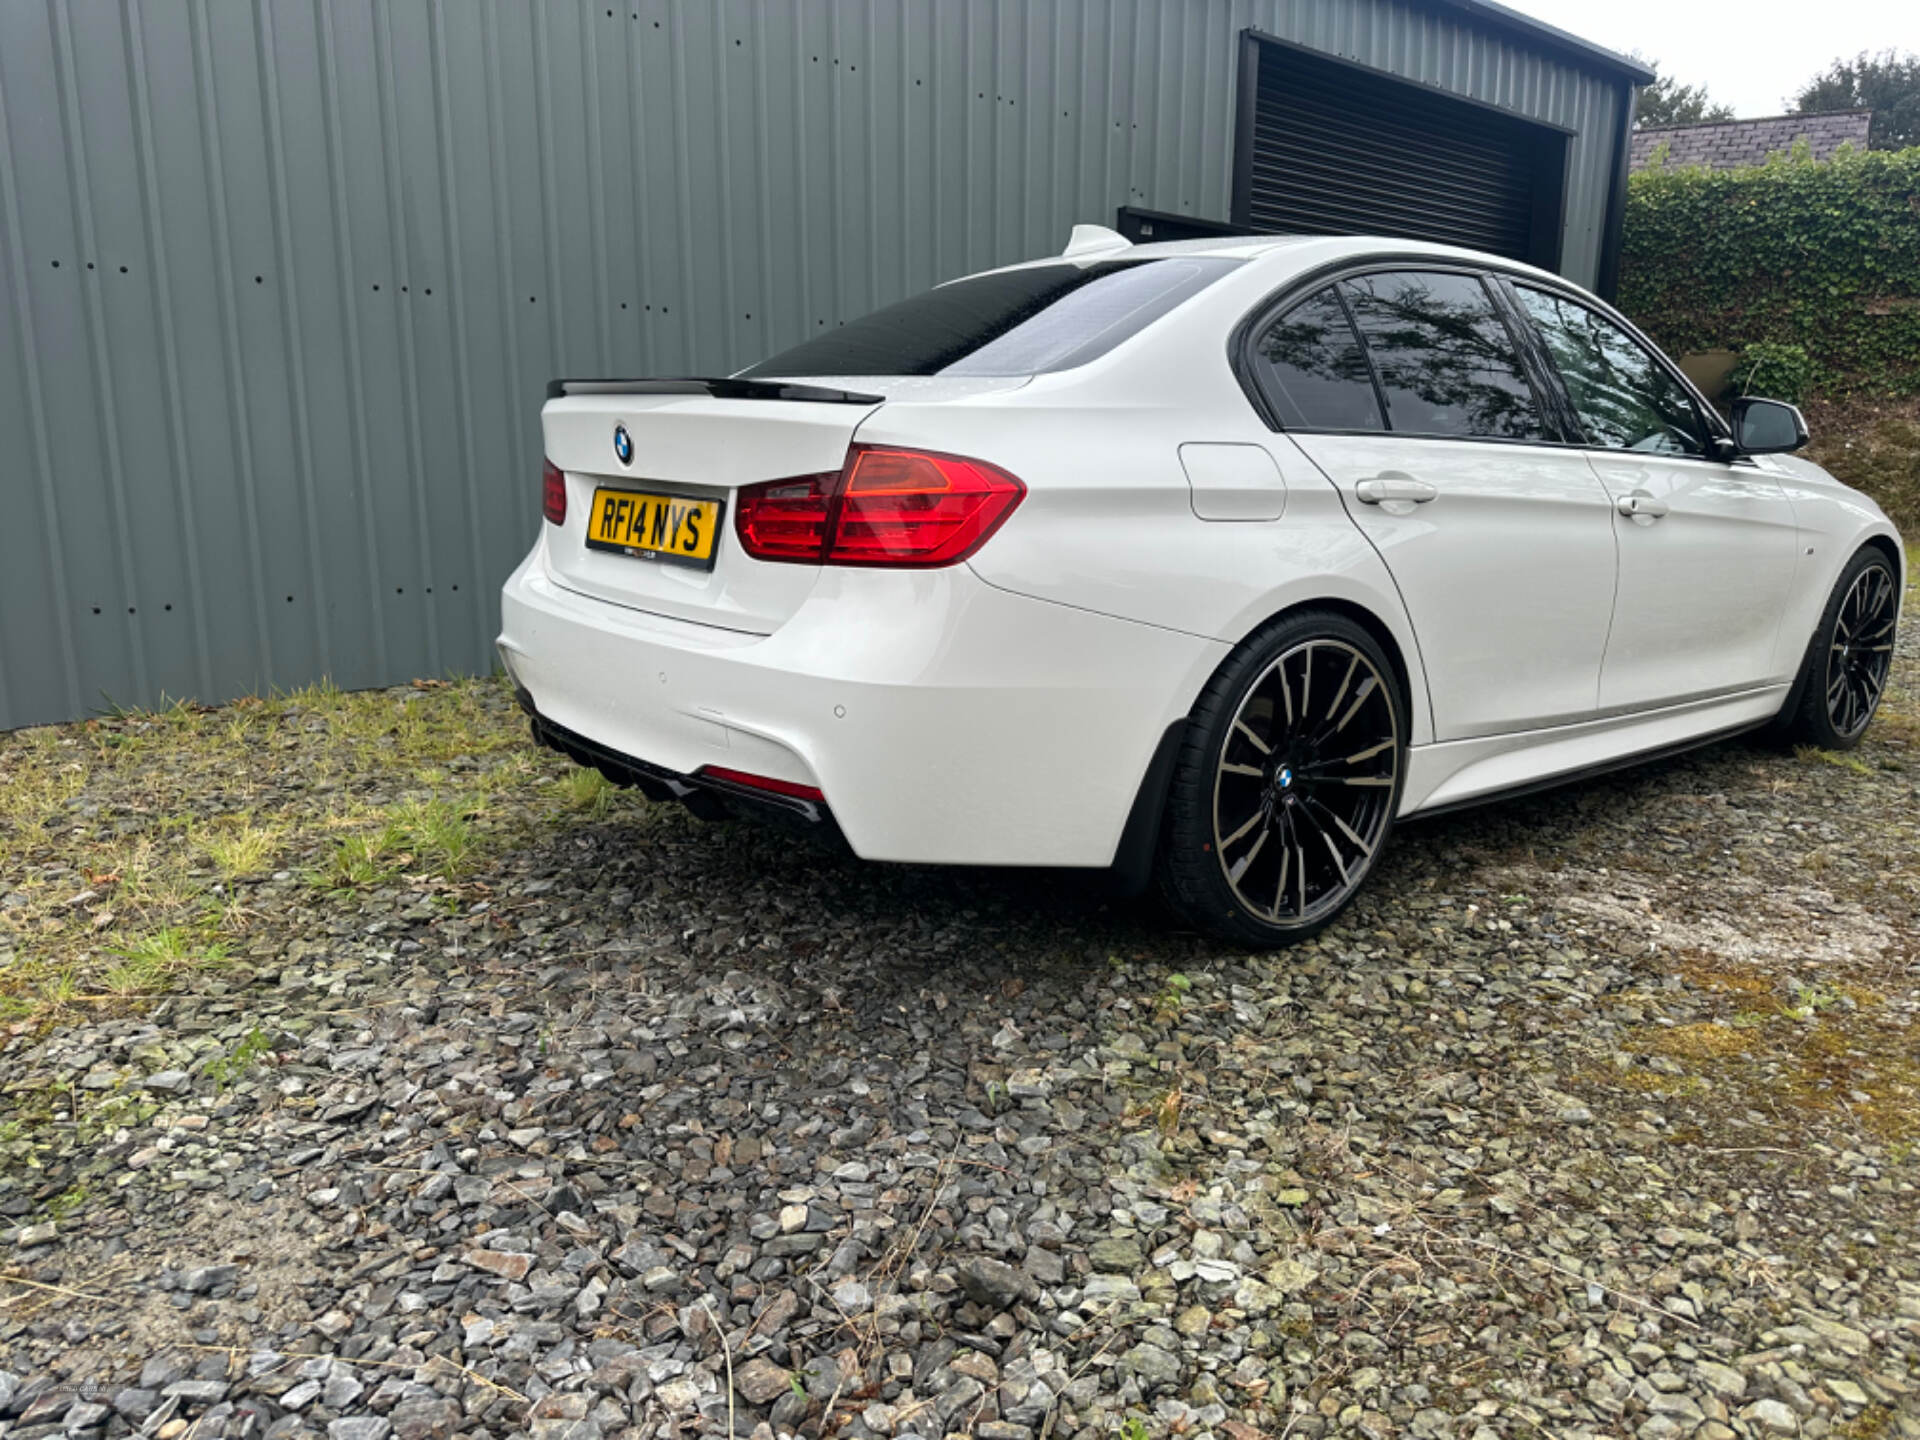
{"type": "Point", "coordinates": [113, 829]}
{"type": "Point", "coordinates": [149, 965]}
{"type": "Point", "coordinates": [243, 850]}
{"type": "Point", "coordinates": [435, 837]}
{"type": "Point", "coordinates": [587, 792]}
{"type": "Point", "coordinates": [438, 834]}
{"type": "Point", "coordinates": [237, 1063]}
{"type": "Point", "coordinates": [359, 862]}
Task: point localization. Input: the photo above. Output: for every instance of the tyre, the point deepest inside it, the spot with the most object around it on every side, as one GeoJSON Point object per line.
{"type": "Point", "coordinates": [1845, 670]}
{"type": "Point", "coordinates": [1286, 782]}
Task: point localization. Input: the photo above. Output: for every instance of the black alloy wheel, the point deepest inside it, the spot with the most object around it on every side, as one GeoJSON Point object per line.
{"type": "Point", "coordinates": [1286, 788]}
{"type": "Point", "coordinates": [1860, 651]}
{"type": "Point", "coordinates": [1845, 671]}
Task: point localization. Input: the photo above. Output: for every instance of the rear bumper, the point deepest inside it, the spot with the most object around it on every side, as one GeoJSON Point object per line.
{"type": "Point", "coordinates": [946, 721]}
{"type": "Point", "coordinates": [708, 796]}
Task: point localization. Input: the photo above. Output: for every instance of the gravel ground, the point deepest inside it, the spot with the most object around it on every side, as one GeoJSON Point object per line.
{"type": "Point", "coordinates": [385, 1078]}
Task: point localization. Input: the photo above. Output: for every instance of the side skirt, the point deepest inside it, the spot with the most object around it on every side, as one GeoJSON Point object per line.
{"type": "Point", "coordinates": [1458, 773]}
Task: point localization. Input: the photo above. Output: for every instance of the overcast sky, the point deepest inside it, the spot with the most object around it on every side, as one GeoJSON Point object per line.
{"type": "Point", "coordinates": [1752, 56]}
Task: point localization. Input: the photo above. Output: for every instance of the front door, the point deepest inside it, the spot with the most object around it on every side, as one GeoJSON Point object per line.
{"type": "Point", "coordinates": [1707, 547]}
{"type": "Point", "coordinates": [1500, 541]}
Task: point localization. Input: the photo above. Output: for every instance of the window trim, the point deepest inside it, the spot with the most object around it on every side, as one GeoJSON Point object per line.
{"type": "Point", "coordinates": [1539, 362]}
{"type": "Point", "coordinates": [1299, 287]}
{"type": "Point", "coordinates": [1337, 290]}
{"type": "Point", "coordinates": [1257, 320]}
{"type": "Point", "coordinates": [1704, 415]}
{"type": "Point", "coordinates": [1264, 403]}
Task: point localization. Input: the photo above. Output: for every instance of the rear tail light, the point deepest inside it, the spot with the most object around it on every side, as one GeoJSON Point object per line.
{"type": "Point", "coordinates": [763, 782]}
{"type": "Point", "coordinates": [909, 507]}
{"type": "Point", "coordinates": [787, 519]}
{"type": "Point", "coordinates": [886, 506]}
{"type": "Point", "coordinates": [553, 493]}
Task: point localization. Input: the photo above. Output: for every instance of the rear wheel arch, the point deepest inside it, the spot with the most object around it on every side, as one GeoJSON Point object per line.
{"type": "Point", "coordinates": [1368, 621]}
{"type": "Point", "coordinates": [1140, 837]}
{"type": "Point", "coordinates": [1191, 859]}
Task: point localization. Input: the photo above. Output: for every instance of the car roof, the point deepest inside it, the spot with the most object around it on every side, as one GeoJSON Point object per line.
{"type": "Point", "coordinates": [1307, 250]}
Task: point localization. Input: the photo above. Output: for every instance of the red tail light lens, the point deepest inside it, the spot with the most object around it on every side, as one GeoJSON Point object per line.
{"type": "Point", "coordinates": [886, 507]}
{"type": "Point", "coordinates": [911, 507]}
{"type": "Point", "coordinates": [787, 519]}
{"type": "Point", "coordinates": [553, 493]}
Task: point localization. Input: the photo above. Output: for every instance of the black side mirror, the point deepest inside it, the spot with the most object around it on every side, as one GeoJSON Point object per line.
{"type": "Point", "coordinates": [1767, 427]}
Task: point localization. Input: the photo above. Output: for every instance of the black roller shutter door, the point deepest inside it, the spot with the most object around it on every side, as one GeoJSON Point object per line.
{"type": "Point", "coordinates": [1332, 148]}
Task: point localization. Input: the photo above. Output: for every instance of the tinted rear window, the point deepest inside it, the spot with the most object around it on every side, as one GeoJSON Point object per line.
{"type": "Point", "coordinates": [1015, 322]}
{"type": "Point", "coordinates": [1313, 371]}
{"type": "Point", "coordinates": [1446, 364]}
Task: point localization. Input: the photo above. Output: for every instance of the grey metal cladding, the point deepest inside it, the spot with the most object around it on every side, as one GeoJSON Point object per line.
{"type": "Point", "coordinates": [281, 281]}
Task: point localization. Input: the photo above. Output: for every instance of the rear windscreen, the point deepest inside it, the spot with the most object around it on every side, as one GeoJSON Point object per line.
{"type": "Point", "coordinates": [1013, 322]}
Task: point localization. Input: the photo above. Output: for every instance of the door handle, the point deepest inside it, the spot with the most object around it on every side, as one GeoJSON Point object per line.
{"type": "Point", "coordinates": [1383, 488]}
{"type": "Point", "coordinates": [1639, 505]}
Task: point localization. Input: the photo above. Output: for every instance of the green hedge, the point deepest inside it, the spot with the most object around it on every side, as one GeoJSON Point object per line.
{"type": "Point", "coordinates": [1792, 253]}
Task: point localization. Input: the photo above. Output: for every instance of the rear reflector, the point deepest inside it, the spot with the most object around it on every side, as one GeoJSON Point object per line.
{"type": "Point", "coordinates": [885, 507]}
{"type": "Point", "coordinates": [553, 493]}
{"type": "Point", "coordinates": [762, 782]}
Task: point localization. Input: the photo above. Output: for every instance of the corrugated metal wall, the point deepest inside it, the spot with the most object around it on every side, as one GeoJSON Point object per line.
{"type": "Point", "coordinates": [281, 280]}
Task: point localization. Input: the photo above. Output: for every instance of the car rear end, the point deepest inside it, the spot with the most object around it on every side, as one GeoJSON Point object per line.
{"type": "Point", "coordinates": [737, 599]}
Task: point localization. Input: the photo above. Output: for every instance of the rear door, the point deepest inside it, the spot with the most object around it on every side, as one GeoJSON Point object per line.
{"type": "Point", "coordinates": [1707, 546]}
{"type": "Point", "coordinates": [1405, 388]}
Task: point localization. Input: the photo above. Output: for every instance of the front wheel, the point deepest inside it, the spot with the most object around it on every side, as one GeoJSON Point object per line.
{"type": "Point", "coordinates": [1286, 784]}
{"type": "Point", "coordinates": [1845, 671]}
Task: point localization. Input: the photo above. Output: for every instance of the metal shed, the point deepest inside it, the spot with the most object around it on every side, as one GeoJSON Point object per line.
{"type": "Point", "coordinates": [281, 281]}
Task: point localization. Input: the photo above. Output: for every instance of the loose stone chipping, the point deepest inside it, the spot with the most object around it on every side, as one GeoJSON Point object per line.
{"type": "Point", "coordinates": [1595, 1117]}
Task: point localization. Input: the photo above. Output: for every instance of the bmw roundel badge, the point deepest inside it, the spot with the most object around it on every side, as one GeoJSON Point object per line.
{"type": "Point", "coordinates": [622, 445]}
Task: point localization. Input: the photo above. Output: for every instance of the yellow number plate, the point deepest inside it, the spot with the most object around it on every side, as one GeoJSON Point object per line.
{"type": "Point", "coordinates": [674, 528]}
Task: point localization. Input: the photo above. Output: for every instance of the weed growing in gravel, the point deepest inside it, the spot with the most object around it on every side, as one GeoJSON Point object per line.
{"type": "Point", "coordinates": [43, 1114]}
{"type": "Point", "coordinates": [588, 792]}
{"type": "Point", "coordinates": [1811, 1000]}
{"type": "Point", "coordinates": [1163, 1108]}
{"type": "Point", "coordinates": [223, 1070]}
{"type": "Point", "coordinates": [1822, 1057]}
{"type": "Point", "coordinates": [66, 1203]}
{"type": "Point", "coordinates": [1172, 998]}
{"type": "Point", "coordinates": [430, 836]}
{"type": "Point", "coordinates": [129, 840]}
{"type": "Point", "coordinates": [323, 695]}
{"type": "Point", "coordinates": [1705, 1041]}
{"type": "Point", "coordinates": [242, 850]}
{"type": "Point", "coordinates": [36, 779]}
{"type": "Point", "coordinates": [150, 964]}
{"type": "Point", "coordinates": [437, 832]}
{"type": "Point", "coordinates": [358, 862]}
{"type": "Point", "coordinates": [1834, 758]}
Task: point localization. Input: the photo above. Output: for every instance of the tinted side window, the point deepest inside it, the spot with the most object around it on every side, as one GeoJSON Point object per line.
{"type": "Point", "coordinates": [1012, 322]}
{"type": "Point", "coordinates": [1445, 359]}
{"type": "Point", "coordinates": [1311, 368]}
{"type": "Point", "coordinates": [1625, 398]}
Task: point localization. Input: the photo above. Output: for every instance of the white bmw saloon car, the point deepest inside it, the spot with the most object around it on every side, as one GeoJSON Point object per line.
{"type": "Point", "coordinates": [1203, 561]}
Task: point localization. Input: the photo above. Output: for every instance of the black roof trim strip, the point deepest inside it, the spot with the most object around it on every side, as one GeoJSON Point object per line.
{"type": "Point", "coordinates": [721, 388]}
